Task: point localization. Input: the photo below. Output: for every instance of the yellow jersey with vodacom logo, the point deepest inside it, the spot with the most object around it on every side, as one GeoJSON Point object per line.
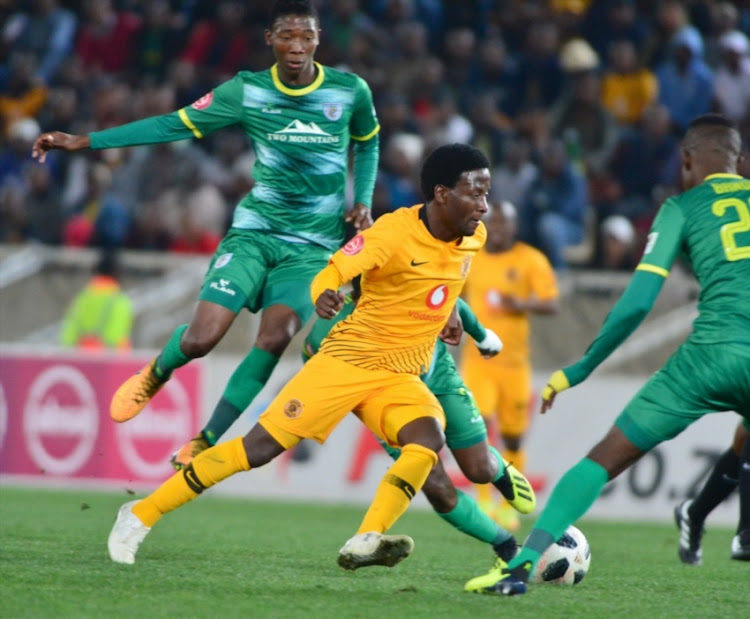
{"type": "Point", "coordinates": [410, 283]}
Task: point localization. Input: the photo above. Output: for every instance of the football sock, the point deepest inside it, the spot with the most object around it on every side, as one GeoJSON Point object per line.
{"type": "Point", "coordinates": [500, 464]}
{"type": "Point", "coordinates": [208, 468]}
{"type": "Point", "coordinates": [484, 496]}
{"type": "Point", "coordinates": [246, 382]}
{"type": "Point", "coordinates": [570, 499]}
{"type": "Point", "coordinates": [468, 518]}
{"type": "Point", "coordinates": [171, 356]}
{"type": "Point", "coordinates": [397, 488]}
{"type": "Point", "coordinates": [744, 488]}
{"type": "Point", "coordinates": [516, 458]}
{"type": "Point", "coordinates": [720, 483]}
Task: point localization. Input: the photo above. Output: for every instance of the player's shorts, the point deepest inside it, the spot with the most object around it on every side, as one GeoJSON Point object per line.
{"type": "Point", "coordinates": [502, 391]}
{"type": "Point", "coordinates": [696, 380]}
{"type": "Point", "coordinates": [464, 424]}
{"type": "Point", "coordinates": [326, 389]}
{"type": "Point", "coordinates": [254, 269]}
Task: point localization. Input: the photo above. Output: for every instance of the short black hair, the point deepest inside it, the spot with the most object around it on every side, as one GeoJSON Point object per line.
{"type": "Point", "coordinates": [714, 132]}
{"type": "Point", "coordinates": [108, 263]}
{"type": "Point", "coordinates": [282, 8]}
{"type": "Point", "coordinates": [446, 164]}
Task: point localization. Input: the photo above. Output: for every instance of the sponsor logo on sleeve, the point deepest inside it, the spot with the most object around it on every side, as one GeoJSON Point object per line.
{"type": "Point", "coordinates": [204, 101]}
{"type": "Point", "coordinates": [354, 246]}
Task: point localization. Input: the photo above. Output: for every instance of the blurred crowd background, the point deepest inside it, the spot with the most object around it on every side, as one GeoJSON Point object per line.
{"type": "Point", "coordinates": [580, 105]}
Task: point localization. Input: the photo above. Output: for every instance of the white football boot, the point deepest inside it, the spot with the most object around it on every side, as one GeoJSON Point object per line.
{"type": "Point", "coordinates": [126, 535]}
{"type": "Point", "coordinates": [374, 549]}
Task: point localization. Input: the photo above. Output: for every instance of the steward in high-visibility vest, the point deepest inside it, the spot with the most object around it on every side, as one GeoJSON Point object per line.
{"type": "Point", "coordinates": [101, 315]}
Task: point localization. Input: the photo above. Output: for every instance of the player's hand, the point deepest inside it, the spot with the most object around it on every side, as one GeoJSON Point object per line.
{"type": "Point", "coordinates": [360, 217]}
{"type": "Point", "coordinates": [513, 305]}
{"type": "Point", "coordinates": [57, 140]}
{"type": "Point", "coordinates": [490, 345]}
{"type": "Point", "coordinates": [329, 303]}
{"type": "Point", "coordinates": [453, 329]}
{"type": "Point", "coordinates": [555, 384]}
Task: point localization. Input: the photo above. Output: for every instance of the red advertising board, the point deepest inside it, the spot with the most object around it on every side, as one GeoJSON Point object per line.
{"type": "Point", "coordinates": [55, 423]}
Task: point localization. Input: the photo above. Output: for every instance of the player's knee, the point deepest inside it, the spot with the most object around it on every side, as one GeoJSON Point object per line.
{"type": "Point", "coordinates": [274, 342]}
{"type": "Point", "coordinates": [198, 343]}
{"type": "Point", "coordinates": [479, 471]}
{"type": "Point", "coordinates": [424, 431]}
{"type": "Point", "coordinates": [440, 492]}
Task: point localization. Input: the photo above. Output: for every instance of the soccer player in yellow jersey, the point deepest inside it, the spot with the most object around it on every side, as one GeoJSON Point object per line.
{"type": "Point", "coordinates": [413, 264]}
{"type": "Point", "coordinates": [509, 280]}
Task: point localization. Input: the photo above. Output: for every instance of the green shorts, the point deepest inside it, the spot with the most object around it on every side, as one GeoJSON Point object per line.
{"type": "Point", "coordinates": [464, 424]}
{"type": "Point", "coordinates": [698, 379]}
{"type": "Point", "coordinates": [254, 269]}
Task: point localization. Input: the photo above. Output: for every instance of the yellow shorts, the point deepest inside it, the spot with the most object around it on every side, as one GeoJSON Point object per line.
{"type": "Point", "coordinates": [326, 389]}
{"type": "Point", "coordinates": [501, 391]}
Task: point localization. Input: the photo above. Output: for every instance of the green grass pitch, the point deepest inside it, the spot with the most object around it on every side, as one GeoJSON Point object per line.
{"type": "Point", "coordinates": [221, 557]}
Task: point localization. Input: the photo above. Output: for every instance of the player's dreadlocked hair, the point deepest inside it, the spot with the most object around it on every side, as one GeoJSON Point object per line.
{"type": "Point", "coordinates": [282, 8]}
{"type": "Point", "coordinates": [445, 165]}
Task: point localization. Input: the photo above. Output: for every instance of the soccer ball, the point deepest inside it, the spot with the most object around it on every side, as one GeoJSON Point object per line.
{"type": "Point", "coordinates": [566, 561]}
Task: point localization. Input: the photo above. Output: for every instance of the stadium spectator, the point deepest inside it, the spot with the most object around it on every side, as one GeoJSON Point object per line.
{"type": "Point", "coordinates": [401, 159]}
{"type": "Point", "coordinates": [496, 74]}
{"type": "Point", "coordinates": [579, 116]}
{"type": "Point", "coordinates": [732, 86]}
{"type": "Point", "coordinates": [490, 129]}
{"type": "Point", "coordinates": [616, 251]}
{"type": "Point", "coordinates": [686, 84]}
{"type": "Point", "coordinates": [158, 40]}
{"type": "Point", "coordinates": [555, 204]}
{"type": "Point", "coordinates": [627, 88]}
{"type": "Point", "coordinates": [540, 78]}
{"type": "Point", "coordinates": [643, 161]}
{"type": "Point", "coordinates": [101, 315]}
{"type": "Point", "coordinates": [106, 41]}
{"type": "Point", "coordinates": [47, 32]}
{"type": "Point", "coordinates": [608, 21]}
{"type": "Point", "coordinates": [23, 95]}
{"type": "Point", "coordinates": [512, 178]}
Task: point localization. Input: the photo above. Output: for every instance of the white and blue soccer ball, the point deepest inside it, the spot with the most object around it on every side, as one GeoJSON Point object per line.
{"type": "Point", "coordinates": [565, 562]}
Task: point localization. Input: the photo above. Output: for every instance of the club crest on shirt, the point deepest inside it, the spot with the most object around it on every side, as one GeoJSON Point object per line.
{"type": "Point", "coordinates": [333, 111]}
{"type": "Point", "coordinates": [293, 409]}
{"type": "Point", "coordinates": [466, 266]}
{"type": "Point", "coordinates": [354, 246]}
{"type": "Point", "coordinates": [204, 101]}
{"type": "Point", "coordinates": [223, 260]}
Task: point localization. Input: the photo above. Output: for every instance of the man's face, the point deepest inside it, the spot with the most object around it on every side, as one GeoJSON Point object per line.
{"type": "Point", "coordinates": [293, 39]}
{"type": "Point", "coordinates": [465, 204]}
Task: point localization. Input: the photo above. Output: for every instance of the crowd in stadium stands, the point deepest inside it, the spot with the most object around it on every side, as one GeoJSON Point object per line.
{"type": "Point", "coordinates": [579, 104]}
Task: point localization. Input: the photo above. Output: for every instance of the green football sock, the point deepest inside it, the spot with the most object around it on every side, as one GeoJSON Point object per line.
{"type": "Point", "coordinates": [171, 356]}
{"type": "Point", "coordinates": [468, 518]}
{"type": "Point", "coordinates": [570, 499]}
{"type": "Point", "coordinates": [246, 381]}
{"type": "Point", "coordinates": [500, 463]}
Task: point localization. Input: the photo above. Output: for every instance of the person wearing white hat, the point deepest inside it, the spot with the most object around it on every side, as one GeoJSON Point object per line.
{"type": "Point", "coordinates": [732, 86]}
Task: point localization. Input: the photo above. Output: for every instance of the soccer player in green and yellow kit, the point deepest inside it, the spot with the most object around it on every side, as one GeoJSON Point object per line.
{"type": "Point", "coordinates": [465, 435]}
{"type": "Point", "coordinates": [710, 224]}
{"type": "Point", "coordinates": [300, 116]}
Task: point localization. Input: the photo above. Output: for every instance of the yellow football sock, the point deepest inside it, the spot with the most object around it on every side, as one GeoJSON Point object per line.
{"type": "Point", "coordinates": [397, 488]}
{"type": "Point", "coordinates": [208, 468]}
{"type": "Point", "coordinates": [484, 495]}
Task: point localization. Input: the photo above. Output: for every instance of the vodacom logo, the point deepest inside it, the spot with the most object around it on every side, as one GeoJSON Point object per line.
{"type": "Point", "coordinates": [437, 297]}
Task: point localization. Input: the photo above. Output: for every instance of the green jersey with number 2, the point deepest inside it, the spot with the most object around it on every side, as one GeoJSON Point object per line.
{"type": "Point", "coordinates": [710, 225]}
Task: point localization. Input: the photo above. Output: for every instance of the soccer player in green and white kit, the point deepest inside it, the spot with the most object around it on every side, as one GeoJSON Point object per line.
{"type": "Point", "coordinates": [301, 117]}
{"type": "Point", "coordinates": [465, 436]}
{"type": "Point", "coordinates": [710, 372]}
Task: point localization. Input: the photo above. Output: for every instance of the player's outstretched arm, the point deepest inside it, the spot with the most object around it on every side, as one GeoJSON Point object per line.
{"type": "Point", "coordinates": [629, 311]}
{"type": "Point", "coordinates": [51, 140]}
